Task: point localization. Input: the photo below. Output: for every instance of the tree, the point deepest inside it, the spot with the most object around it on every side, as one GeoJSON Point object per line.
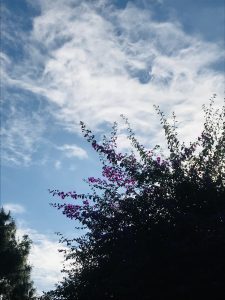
{"type": "Point", "coordinates": [15, 283]}
{"type": "Point", "coordinates": [155, 223]}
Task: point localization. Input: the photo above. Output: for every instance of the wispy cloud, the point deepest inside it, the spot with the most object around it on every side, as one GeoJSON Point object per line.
{"type": "Point", "coordinates": [73, 151]}
{"type": "Point", "coordinates": [100, 61]}
{"type": "Point", "coordinates": [14, 208]}
{"type": "Point", "coordinates": [21, 134]}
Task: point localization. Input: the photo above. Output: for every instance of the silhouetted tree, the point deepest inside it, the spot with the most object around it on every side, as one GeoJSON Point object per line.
{"type": "Point", "coordinates": [155, 224]}
{"type": "Point", "coordinates": [15, 282]}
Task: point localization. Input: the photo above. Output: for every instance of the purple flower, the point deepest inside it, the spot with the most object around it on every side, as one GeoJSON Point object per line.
{"type": "Point", "coordinates": [86, 202]}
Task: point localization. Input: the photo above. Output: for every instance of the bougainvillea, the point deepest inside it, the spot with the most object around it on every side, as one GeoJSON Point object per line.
{"type": "Point", "coordinates": [155, 224]}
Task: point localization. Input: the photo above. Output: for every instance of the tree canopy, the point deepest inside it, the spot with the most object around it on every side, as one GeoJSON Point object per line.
{"type": "Point", "coordinates": [15, 282]}
{"type": "Point", "coordinates": [155, 224]}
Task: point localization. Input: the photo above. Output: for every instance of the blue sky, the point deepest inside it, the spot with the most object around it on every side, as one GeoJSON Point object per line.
{"type": "Point", "coordinates": [67, 60]}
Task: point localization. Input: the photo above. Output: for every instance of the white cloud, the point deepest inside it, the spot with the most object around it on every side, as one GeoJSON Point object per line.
{"type": "Point", "coordinates": [14, 208]}
{"type": "Point", "coordinates": [57, 165]}
{"type": "Point", "coordinates": [73, 151]}
{"type": "Point", "coordinates": [102, 61]}
{"type": "Point", "coordinates": [46, 260]}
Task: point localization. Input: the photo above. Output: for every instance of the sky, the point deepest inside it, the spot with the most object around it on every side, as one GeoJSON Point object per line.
{"type": "Point", "coordinates": [66, 61]}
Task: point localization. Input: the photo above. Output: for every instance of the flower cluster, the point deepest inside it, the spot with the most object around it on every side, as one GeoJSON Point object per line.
{"type": "Point", "coordinates": [117, 176]}
{"type": "Point", "coordinates": [72, 211]}
{"type": "Point", "coordinates": [63, 195]}
{"type": "Point", "coordinates": [94, 180]}
{"type": "Point", "coordinates": [108, 152]}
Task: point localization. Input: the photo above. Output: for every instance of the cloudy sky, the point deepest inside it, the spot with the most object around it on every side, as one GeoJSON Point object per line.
{"type": "Point", "coordinates": [64, 61]}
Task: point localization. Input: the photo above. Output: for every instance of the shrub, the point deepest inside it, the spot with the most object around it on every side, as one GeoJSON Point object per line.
{"type": "Point", "coordinates": [155, 224]}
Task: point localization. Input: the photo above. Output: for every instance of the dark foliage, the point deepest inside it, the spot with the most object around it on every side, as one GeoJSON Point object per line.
{"type": "Point", "coordinates": [156, 225]}
{"type": "Point", "coordinates": [15, 283]}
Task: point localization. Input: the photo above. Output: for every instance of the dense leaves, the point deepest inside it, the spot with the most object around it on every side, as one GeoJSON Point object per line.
{"type": "Point", "coordinates": [155, 225]}
{"type": "Point", "coordinates": [15, 271]}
